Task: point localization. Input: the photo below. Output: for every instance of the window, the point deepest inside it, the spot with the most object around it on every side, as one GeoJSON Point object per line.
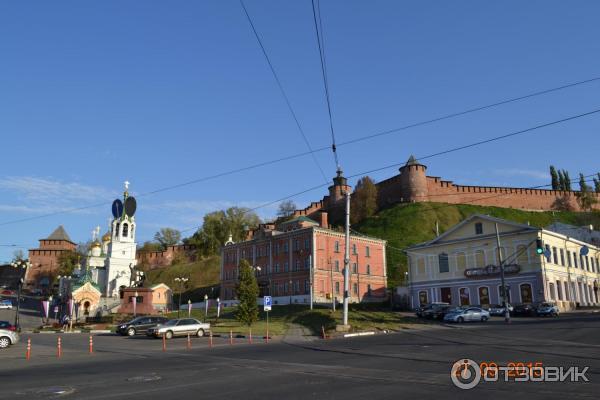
{"type": "Point", "coordinates": [367, 251]}
{"type": "Point", "coordinates": [502, 251]}
{"type": "Point", "coordinates": [484, 295]}
{"type": "Point", "coordinates": [117, 229]}
{"type": "Point", "coordinates": [575, 260]}
{"type": "Point", "coordinates": [355, 268]}
{"type": "Point", "coordinates": [285, 247]}
{"type": "Point", "coordinates": [581, 261]}
{"type": "Point", "coordinates": [306, 286]}
{"type": "Point", "coordinates": [368, 269]}
{"type": "Point", "coordinates": [423, 297]}
{"type": "Point", "coordinates": [566, 288]}
{"type": "Point", "coordinates": [421, 266]}
{"type": "Point", "coordinates": [276, 249]}
{"type": "Point", "coordinates": [562, 257]}
{"type": "Point", "coordinates": [551, 290]}
{"type": "Point", "coordinates": [337, 288]}
{"type": "Point", "coordinates": [285, 267]}
{"type": "Point", "coordinates": [354, 249]}
{"type": "Point", "coordinates": [285, 287]}
{"type": "Point", "coordinates": [463, 293]}
{"type": "Point", "coordinates": [568, 259]}
{"type": "Point", "coordinates": [307, 263]}
{"type": "Point", "coordinates": [443, 261]}
{"type": "Point", "coordinates": [336, 247]}
{"type": "Point", "coordinates": [522, 258]}
{"type": "Point", "coordinates": [369, 290]}
{"type": "Point", "coordinates": [296, 245]}
{"type": "Point", "coordinates": [526, 293]}
{"type": "Point", "coordinates": [587, 263]}
{"type": "Point", "coordinates": [555, 255]}
{"type": "Point", "coordinates": [547, 253]}
{"type": "Point", "coordinates": [479, 259]}
{"type": "Point", "coordinates": [306, 244]}
{"type": "Point", "coordinates": [355, 289]}
{"type": "Point", "coordinates": [276, 268]}
{"type": "Point", "coordinates": [297, 265]}
{"type": "Point", "coordinates": [478, 228]}
{"type": "Point", "coordinates": [337, 266]}
{"type": "Point", "coordinates": [559, 290]}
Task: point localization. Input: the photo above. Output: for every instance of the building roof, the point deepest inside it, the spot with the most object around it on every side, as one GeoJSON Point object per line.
{"type": "Point", "coordinates": [59, 234]}
{"type": "Point", "coordinates": [154, 287]}
{"type": "Point", "coordinates": [301, 218]}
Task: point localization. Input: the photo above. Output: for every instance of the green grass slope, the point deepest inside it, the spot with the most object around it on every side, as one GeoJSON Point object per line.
{"type": "Point", "coordinates": [407, 224]}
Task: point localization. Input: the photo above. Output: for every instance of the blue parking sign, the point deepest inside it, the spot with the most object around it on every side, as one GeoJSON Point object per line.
{"type": "Point", "coordinates": [267, 303]}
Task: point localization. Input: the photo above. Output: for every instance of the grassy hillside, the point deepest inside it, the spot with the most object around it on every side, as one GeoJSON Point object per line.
{"type": "Point", "coordinates": [407, 224]}
{"type": "Point", "coordinates": [203, 275]}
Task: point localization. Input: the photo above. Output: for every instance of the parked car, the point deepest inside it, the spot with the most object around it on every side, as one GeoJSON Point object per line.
{"type": "Point", "coordinates": [498, 310]}
{"type": "Point", "coordinates": [8, 326]}
{"type": "Point", "coordinates": [420, 311]}
{"type": "Point", "coordinates": [6, 305]}
{"type": "Point", "coordinates": [139, 325]}
{"type": "Point", "coordinates": [524, 310]}
{"type": "Point", "coordinates": [7, 338]}
{"type": "Point", "coordinates": [179, 327]}
{"type": "Point", "coordinates": [546, 309]}
{"type": "Point", "coordinates": [467, 314]}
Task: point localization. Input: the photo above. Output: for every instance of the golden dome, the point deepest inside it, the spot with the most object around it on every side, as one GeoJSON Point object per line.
{"type": "Point", "coordinates": [106, 237]}
{"type": "Point", "coordinates": [95, 244]}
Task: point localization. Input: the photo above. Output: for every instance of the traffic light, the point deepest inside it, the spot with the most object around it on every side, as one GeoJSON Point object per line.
{"type": "Point", "coordinates": [539, 246]}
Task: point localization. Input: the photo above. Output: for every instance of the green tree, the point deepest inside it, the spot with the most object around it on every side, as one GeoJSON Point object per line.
{"type": "Point", "coordinates": [247, 292]}
{"type": "Point", "coordinates": [554, 177]}
{"type": "Point", "coordinates": [150, 246]}
{"type": "Point", "coordinates": [67, 261]}
{"type": "Point", "coordinates": [286, 209]}
{"type": "Point", "coordinates": [562, 185]}
{"type": "Point", "coordinates": [562, 203]}
{"type": "Point", "coordinates": [597, 184]}
{"type": "Point", "coordinates": [167, 237]}
{"type": "Point", "coordinates": [585, 197]}
{"type": "Point", "coordinates": [217, 227]}
{"type": "Point", "coordinates": [364, 200]}
{"type": "Point", "coordinates": [567, 180]}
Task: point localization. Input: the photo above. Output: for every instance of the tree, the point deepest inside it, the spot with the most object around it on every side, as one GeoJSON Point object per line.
{"type": "Point", "coordinates": [167, 237]}
{"type": "Point", "coordinates": [67, 261]}
{"type": "Point", "coordinates": [286, 209]}
{"type": "Point", "coordinates": [364, 200]}
{"type": "Point", "coordinates": [554, 176]}
{"type": "Point", "coordinates": [219, 225]}
{"type": "Point", "coordinates": [567, 180]}
{"type": "Point", "coordinates": [562, 203]}
{"type": "Point", "coordinates": [585, 197]}
{"type": "Point", "coordinates": [150, 246]}
{"type": "Point", "coordinates": [18, 255]}
{"type": "Point", "coordinates": [247, 292]}
{"type": "Point", "coordinates": [597, 184]}
{"type": "Point", "coordinates": [561, 180]}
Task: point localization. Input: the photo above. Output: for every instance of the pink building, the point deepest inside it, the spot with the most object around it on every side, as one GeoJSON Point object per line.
{"type": "Point", "coordinates": [286, 255]}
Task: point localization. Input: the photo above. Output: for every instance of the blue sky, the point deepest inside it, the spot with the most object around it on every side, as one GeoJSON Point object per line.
{"type": "Point", "coordinates": [158, 93]}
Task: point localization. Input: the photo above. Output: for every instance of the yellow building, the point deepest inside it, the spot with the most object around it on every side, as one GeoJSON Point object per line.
{"type": "Point", "coordinates": [461, 266]}
{"type": "Point", "coordinates": [162, 297]}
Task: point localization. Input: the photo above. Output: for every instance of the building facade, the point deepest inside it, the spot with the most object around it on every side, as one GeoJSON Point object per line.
{"type": "Point", "coordinates": [460, 267]}
{"type": "Point", "coordinates": [45, 259]}
{"type": "Point", "coordinates": [287, 258]}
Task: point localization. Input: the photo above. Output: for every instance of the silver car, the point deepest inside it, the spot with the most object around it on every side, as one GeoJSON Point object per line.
{"type": "Point", "coordinates": [180, 327]}
{"type": "Point", "coordinates": [467, 314]}
{"type": "Point", "coordinates": [7, 338]}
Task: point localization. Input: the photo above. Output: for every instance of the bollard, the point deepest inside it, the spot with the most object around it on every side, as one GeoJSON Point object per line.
{"type": "Point", "coordinates": [28, 354]}
{"type": "Point", "coordinates": [250, 336]}
{"type": "Point", "coordinates": [91, 345]}
{"type": "Point", "coordinates": [267, 337]}
{"type": "Point", "coordinates": [58, 348]}
{"type": "Point", "coordinates": [189, 342]}
{"type": "Point", "coordinates": [164, 340]}
{"type": "Point", "coordinates": [210, 339]}
{"type": "Point", "coordinates": [323, 332]}
{"type": "Point", "coordinates": [231, 336]}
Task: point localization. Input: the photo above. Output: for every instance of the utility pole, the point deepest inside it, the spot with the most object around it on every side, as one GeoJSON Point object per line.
{"type": "Point", "coordinates": [347, 259]}
{"type": "Point", "coordinates": [504, 291]}
{"type": "Point", "coordinates": [331, 278]}
{"type": "Point", "coordinates": [311, 269]}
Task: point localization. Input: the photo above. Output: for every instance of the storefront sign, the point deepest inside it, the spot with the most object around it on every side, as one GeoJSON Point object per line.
{"type": "Point", "coordinates": [491, 270]}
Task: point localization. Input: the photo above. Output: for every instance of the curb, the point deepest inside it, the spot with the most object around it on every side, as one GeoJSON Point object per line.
{"type": "Point", "coordinates": [369, 333]}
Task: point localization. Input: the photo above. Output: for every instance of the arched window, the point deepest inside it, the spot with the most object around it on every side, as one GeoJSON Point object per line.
{"type": "Point", "coordinates": [423, 298]}
{"type": "Point", "coordinates": [117, 226]}
{"type": "Point", "coordinates": [484, 295]}
{"type": "Point", "coordinates": [526, 294]}
{"type": "Point", "coordinates": [552, 291]}
{"type": "Point", "coordinates": [463, 293]}
{"type": "Point", "coordinates": [132, 228]}
{"type": "Point", "coordinates": [125, 230]}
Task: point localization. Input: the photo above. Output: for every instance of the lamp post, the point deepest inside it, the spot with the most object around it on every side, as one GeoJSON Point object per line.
{"type": "Point", "coordinates": [205, 307]}
{"type": "Point", "coordinates": [50, 299]}
{"type": "Point", "coordinates": [22, 266]}
{"type": "Point", "coordinates": [189, 308]}
{"type": "Point", "coordinates": [135, 296]}
{"type": "Point", "coordinates": [181, 280]}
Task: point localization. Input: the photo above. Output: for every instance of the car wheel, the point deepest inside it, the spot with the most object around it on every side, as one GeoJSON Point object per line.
{"type": "Point", "coordinates": [130, 332]}
{"type": "Point", "coordinates": [460, 320]}
{"type": "Point", "coordinates": [169, 335]}
{"type": "Point", "coordinates": [200, 333]}
{"type": "Point", "coordinates": [555, 314]}
{"type": "Point", "coordinates": [4, 342]}
{"type": "Point", "coordinates": [484, 319]}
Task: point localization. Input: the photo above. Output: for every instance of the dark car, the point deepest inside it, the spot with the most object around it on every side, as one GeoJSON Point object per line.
{"type": "Point", "coordinates": [139, 325]}
{"type": "Point", "coordinates": [434, 310]}
{"type": "Point", "coordinates": [8, 326]}
{"type": "Point", "coordinates": [524, 310]}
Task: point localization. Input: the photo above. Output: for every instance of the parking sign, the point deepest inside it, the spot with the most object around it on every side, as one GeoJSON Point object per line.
{"type": "Point", "coordinates": [267, 302]}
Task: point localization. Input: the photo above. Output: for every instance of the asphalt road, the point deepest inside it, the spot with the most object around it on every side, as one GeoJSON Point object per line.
{"type": "Point", "coordinates": [409, 364]}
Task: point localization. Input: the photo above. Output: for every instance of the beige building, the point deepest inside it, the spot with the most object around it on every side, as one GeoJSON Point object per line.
{"type": "Point", "coordinates": [162, 297]}
{"type": "Point", "coordinates": [461, 266]}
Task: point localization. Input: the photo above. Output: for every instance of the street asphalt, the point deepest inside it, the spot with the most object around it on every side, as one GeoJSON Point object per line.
{"type": "Point", "coordinates": [413, 363]}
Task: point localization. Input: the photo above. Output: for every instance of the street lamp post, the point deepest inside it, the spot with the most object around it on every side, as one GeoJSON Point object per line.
{"type": "Point", "coordinates": [181, 280]}
{"type": "Point", "coordinates": [22, 266]}
{"type": "Point", "coordinates": [205, 307]}
{"type": "Point", "coordinates": [135, 296]}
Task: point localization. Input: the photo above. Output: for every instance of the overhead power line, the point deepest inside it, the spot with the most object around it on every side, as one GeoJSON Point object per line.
{"type": "Point", "coordinates": [283, 93]}
{"type": "Point", "coordinates": [321, 46]}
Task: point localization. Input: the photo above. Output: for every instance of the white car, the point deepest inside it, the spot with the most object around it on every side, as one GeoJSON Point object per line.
{"type": "Point", "coordinates": [6, 305]}
{"type": "Point", "coordinates": [7, 338]}
{"type": "Point", "coordinates": [180, 327]}
{"type": "Point", "coordinates": [467, 314]}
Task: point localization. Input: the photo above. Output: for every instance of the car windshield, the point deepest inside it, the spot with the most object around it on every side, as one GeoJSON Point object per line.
{"type": "Point", "coordinates": [546, 305]}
